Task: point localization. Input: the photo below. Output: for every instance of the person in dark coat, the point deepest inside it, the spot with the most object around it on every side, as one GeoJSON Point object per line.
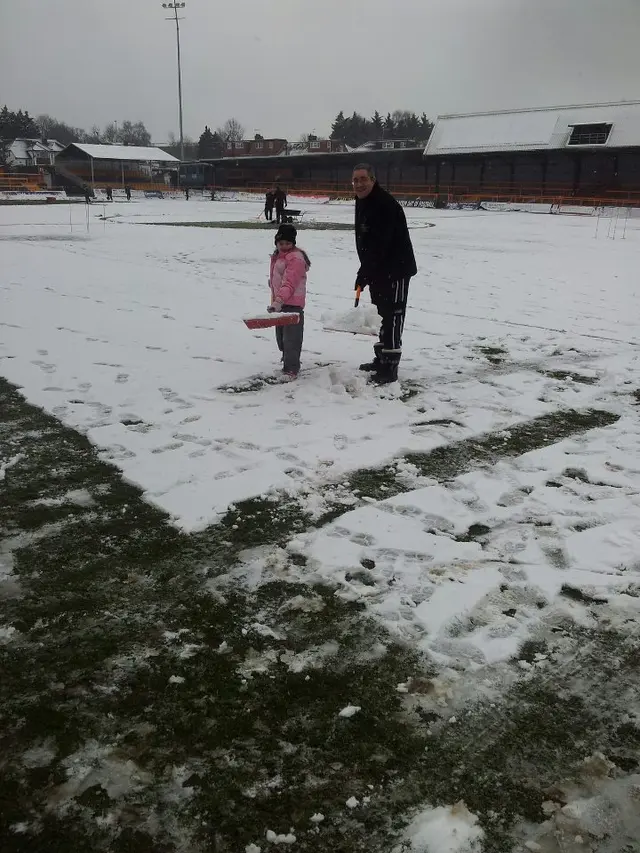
{"type": "Point", "coordinates": [280, 201]}
{"type": "Point", "coordinates": [88, 193]}
{"type": "Point", "coordinates": [109, 193]}
{"type": "Point", "coordinates": [387, 264]}
{"type": "Point", "coordinates": [269, 201]}
{"type": "Point", "coordinates": [127, 191]}
{"type": "Point", "coordinates": [186, 193]}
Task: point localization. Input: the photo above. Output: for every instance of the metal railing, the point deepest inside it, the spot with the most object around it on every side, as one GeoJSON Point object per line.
{"type": "Point", "coordinates": [551, 194]}
{"type": "Point", "coordinates": [30, 182]}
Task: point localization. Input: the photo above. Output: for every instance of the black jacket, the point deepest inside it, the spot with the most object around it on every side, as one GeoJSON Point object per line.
{"type": "Point", "coordinates": [382, 240]}
{"type": "Point", "coordinates": [280, 198]}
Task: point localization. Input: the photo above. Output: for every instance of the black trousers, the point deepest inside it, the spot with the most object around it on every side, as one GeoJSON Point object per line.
{"type": "Point", "coordinates": [391, 302]}
{"type": "Point", "coordinates": [289, 340]}
{"type": "Point", "coordinates": [279, 214]}
{"type": "Point", "coordinates": [268, 213]}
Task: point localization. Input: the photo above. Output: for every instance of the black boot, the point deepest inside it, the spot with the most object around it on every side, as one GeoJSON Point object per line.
{"type": "Point", "coordinates": [375, 365]}
{"type": "Point", "coordinates": [385, 374]}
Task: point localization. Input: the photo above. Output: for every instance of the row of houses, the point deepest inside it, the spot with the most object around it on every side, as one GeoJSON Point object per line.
{"type": "Point", "coordinates": [277, 147]}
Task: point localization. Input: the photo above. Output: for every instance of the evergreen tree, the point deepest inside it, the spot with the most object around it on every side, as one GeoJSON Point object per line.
{"type": "Point", "coordinates": [209, 145]}
{"type": "Point", "coordinates": [426, 127]}
{"type": "Point", "coordinates": [377, 126]}
{"type": "Point", "coordinates": [389, 127]}
{"type": "Point", "coordinates": [17, 125]}
{"type": "Point", "coordinates": [338, 128]}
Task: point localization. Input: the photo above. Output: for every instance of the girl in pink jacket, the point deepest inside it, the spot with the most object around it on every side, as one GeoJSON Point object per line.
{"type": "Point", "coordinates": [288, 283]}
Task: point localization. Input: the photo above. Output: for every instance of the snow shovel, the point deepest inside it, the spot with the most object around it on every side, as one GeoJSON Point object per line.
{"type": "Point", "coordinates": [265, 321]}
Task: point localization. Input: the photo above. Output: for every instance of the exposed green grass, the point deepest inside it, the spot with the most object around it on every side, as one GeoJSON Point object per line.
{"type": "Point", "coordinates": [450, 460]}
{"type": "Point", "coordinates": [565, 375]}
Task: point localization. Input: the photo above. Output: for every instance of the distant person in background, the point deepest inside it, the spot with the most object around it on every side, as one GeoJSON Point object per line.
{"type": "Point", "coordinates": [127, 191]}
{"type": "Point", "coordinates": [269, 201]}
{"type": "Point", "coordinates": [280, 201]}
{"type": "Point", "coordinates": [213, 194]}
{"type": "Point", "coordinates": [186, 193]}
{"type": "Point", "coordinates": [109, 193]}
{"type": "Point", "coordinates": [87, 193]}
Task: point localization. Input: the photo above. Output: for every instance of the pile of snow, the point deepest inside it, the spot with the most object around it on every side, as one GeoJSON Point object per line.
{"type": "Point", "coordinates": [446, 829]}
{"type": "Point", "coordinates": [363, 320]}
{"type": "Point", "coordinates": [5, 464]}
{"type": "Point", "coordinates": [599, 810]}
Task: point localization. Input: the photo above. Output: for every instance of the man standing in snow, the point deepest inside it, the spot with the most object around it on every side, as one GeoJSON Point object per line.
{"type": "Point", "coordinates": [280, 201]}
{"type": "Point", "coordinates": [387, 264]}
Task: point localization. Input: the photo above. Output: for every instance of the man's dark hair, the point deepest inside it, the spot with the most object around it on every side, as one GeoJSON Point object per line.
{"type": "Point", "coordinates": [367, 167]}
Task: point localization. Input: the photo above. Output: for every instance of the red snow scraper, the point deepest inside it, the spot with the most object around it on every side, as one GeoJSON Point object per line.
{"type": "Point", "coordinates": [265, 321]}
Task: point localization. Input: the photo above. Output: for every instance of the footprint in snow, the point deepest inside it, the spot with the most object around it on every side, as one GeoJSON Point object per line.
{"type": "Point", "coordinates": [46, 368]}
{"type": "Point", "coordinates": [172, 445]}
{"type": "Point", "coordinates": [192, 439]}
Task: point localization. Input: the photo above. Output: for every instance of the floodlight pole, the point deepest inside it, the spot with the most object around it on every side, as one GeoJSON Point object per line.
{"type": "Point", "coordinates": [175, 6]}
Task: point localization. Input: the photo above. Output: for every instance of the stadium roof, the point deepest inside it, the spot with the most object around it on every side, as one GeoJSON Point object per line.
{"type": "Point", "coordinates": [534, 129]}
{"type": "Point", "coordinates": [136, 153]}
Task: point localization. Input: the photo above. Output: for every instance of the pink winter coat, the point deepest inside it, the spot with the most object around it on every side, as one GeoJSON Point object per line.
{"type": "Point", "coordinates": [288, 277]}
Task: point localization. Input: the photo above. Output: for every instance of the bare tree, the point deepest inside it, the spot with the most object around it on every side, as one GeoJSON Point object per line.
{"type": "Point", "coordinates": [45, 124]}
{"type": "Point", "coordinates": [231, 130]}
{"type": "Point", "coordinates": [110, 133]}
{"type": "Point", "coordinates": [133, 134]}
{"type": "Point", "coordinates": [94, 136]}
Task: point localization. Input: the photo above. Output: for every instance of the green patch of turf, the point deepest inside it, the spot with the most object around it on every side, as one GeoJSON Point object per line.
{"type": "Point", "coordinates": [474, 533]}
{"type": "Point", "coordinates": [495, 355]}
{"type": "Point", "coordinates": [564, 375]}
{"type": "Point", "coordinates": [450, 460]}
{"type": "Point", "coordinates": [438, 422]}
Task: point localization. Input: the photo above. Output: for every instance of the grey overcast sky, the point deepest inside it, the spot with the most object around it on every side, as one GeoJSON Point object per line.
{"type": "Point", "coordinates": [286, 67]}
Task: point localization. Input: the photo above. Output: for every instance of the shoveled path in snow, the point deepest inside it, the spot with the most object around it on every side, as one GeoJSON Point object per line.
{"type": "Point", "coordinates": [150, 702]}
